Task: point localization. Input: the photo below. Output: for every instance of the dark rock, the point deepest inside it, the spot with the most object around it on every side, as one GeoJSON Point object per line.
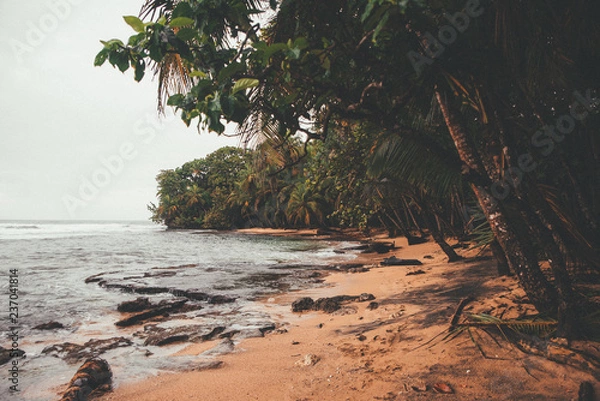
{"type": "Point", "coordinates": [159, 336]}
{"type": "Point", "coordinates": [415, 273]}
{"type": "Point", "coordinates": [6, 354]}
{"type": "Point", "coordinates": [172, 339]}
{"type": "Point", "coordinates": [365, 297]}
{"type": "Point", "coordinates": [92, 376]}
{"type": "Point", "coordinates": [327, 305]}
{"type": "Point", "coordinates": [586, 392]}
{"type": "Point", "coordinates": [71, 352]}
{"type": "Point", "coordinates": [194, 295]}
{"type": "Point", "coordinates": [150, 290]}
{"type": "Point", "coordinates": [220, 299]}
{"type": "Point", "coordinates": [94, 279]}
{"type": "Point", "coordinates": [160, 274]}
{"type": "Point", "coordinates": [161, 309]}
{"type": "Point", "coordinates": [49, 326]}
{"type": "Point", "coordinates": [372, 305]}
{"type": "Point", "coordinates": [416, 240]}
{"type": "Point", "coordinates": [136, 305]}
{"type": "Point", "coordinates": [229, 333]}
{"type": "Point", "coordinates": [303, 304]}
{"type": "Point", "coordinates": [379, 247]}
{"type": "Point", "coordinates": [267, 328]}
{"type": "Point", "coordinates": [394, 261]}
{"type": "Point", "coordinates": [214, 332]}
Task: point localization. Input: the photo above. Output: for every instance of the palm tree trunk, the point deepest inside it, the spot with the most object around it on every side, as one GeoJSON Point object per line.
{"type": "Point", "coordinates": [502, 262]}
{"type": "Point", "coordinates": [519, 253]}
{"type": "Point", "coordinates": [438, 237]}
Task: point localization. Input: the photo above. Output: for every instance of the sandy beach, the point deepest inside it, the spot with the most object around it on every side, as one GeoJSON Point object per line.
{"type": "Point", "coordinates": [390, 348]}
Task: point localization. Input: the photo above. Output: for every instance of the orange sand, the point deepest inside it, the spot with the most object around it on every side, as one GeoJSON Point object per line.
{"type": "Point", "coordinates": [380, 354]}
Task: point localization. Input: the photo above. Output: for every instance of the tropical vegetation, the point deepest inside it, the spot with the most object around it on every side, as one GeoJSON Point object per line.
{"type": "Point", "coordinates": [456, 117]}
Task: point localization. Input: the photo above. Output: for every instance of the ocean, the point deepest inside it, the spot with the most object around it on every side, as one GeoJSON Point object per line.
{"type": "Point", "coordinates": [45, 266]}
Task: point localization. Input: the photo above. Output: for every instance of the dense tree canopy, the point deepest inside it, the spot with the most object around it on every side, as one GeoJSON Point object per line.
{"type": "Point", "coordinates": [483, 100]}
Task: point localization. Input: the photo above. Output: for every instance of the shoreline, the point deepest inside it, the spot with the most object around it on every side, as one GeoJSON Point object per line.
{"type": "Point", "coordinates": [387, 353]}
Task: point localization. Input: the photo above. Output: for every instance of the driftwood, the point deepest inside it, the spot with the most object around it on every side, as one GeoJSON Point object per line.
{"type": "Point", "coordinates": [94, 374]}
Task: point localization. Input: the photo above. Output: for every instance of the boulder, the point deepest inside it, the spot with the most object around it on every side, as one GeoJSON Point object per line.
{"type": "Point", "coordinates": [92, 376]}
{"type": "Point", "coordinates": [302, 304]}
{"type": "Point", "coordinates": [137, 305]}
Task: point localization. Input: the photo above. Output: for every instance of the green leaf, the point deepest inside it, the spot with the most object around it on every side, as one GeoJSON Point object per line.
{"type": "Point", "coordinates": [301, 43]}
{"type": "Point", "coordinates": [186, 33]}
{"type": "Point", "coordinates": [180, 21]}
{"type": "Point", "coordinates": [140, 69]}
{"type": "Point", "coordinates": [135, 23]}
{"type": "Point", "coordinates": [175, 100]}
{"type": "Point", "coordinates": [101, 57]}
{"type": "Point", "coordinates": [243, 84]}
{"type": "Point", "coordinates": [183, 9]}
{"type": "Point", "coordinates": [119, 59]}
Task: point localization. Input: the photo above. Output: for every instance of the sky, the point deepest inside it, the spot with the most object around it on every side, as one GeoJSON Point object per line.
{"type": "Point", "coordinates": [80, 142]}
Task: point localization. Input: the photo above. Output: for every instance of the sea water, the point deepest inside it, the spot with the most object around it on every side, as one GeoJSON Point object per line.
{"type": "Point", "coordinates": [51, 261]}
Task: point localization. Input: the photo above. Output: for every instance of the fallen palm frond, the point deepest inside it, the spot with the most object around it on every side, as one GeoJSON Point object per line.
{"type": "Point", "coordinates": [538, 326]}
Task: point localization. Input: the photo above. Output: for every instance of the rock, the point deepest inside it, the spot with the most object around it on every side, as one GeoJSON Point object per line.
{"type": "Point", "coordinates": [308, 360]}
{"type": "Point", "coordinates": [365, 297]}
{"type": "Point", "coordinates": [214, 332]}
{"type": "Point", "coordinates": [415, 273]}
{"type": "Point", "coordinates": [327, 305]}
{"type": "Point", "coordinates": [586, 392]}
{"type": "Point", "coordinates": [345, 310]}
{"type": "Point", "coordinates": [225, 347]}
{"type": "Point", "coordinates": [94, 279]}
{"type": "Point", "coordinates": [150, 290]}
{"type": "Point", "coordinates": [302, 304]}
{"type": "Point", "coordinates": [394, 261]}
{"type": "Point", "coordinates": [160, 309]}
{"type": "Point", "coordinates": [416, 240]}
{"type": "Point", "coordinates": [93, 375]}
{"type": "Point", "coordinates": [49, 326]}
{"type": "Point", "coordinates": [137, 305]}
{"type": "Point", "coordinates": [71, 352]}
{"type": "Point", "coordinates": [220, 299]}
{"type": "Point", "coordinates": [372, 305]}
{"type": "Point", "coordinates": [6, 354]}
{"type": "Point", "coordinates": [160, 336]}
{"type": "Point", "coordinates": [267, 328]}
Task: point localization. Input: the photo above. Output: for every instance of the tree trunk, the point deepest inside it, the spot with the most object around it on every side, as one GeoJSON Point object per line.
{"type": "Point", "coordinates": [438, 237]}
{"type": "Point", "coordinates": [519, 253]}
{"type": "Point", "coordinates": [502, 263]}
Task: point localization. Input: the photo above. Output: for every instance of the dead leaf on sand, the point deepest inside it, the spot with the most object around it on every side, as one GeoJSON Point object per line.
{"type": "Point", "coordinates": [443, 388]}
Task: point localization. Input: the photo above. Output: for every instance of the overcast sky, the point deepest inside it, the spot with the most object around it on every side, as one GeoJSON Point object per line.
{"type": "Point", "coordinates": [78, 141]}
